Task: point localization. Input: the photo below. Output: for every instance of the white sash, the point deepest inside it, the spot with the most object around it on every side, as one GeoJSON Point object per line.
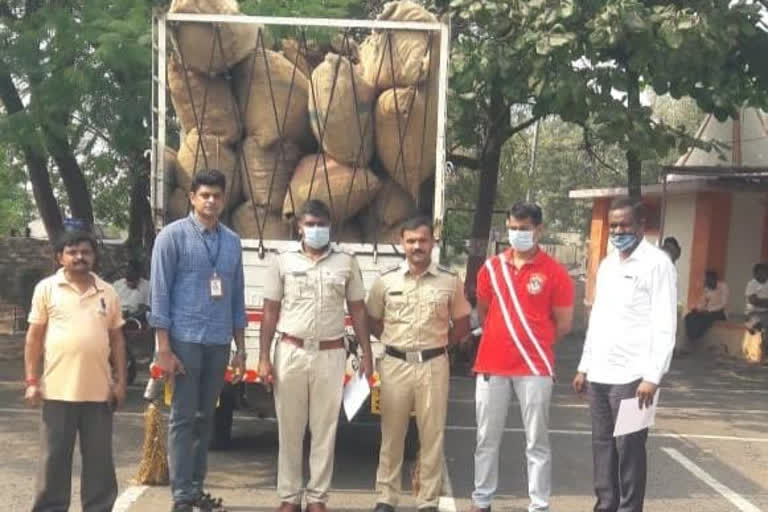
{"type": "Point", "coordinates": [507, 319]}
{"type": "Point", "coordinates": [523, 321]}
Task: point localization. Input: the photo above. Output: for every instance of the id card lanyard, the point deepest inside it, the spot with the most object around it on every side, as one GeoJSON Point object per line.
{"type": "Point", "coordinates": [214, 283]}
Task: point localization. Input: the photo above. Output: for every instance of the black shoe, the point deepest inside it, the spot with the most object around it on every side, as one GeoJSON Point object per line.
{"type": "Point", "coordinates": [428, 509]}
{"type": "Point", "coordinates": [383, 507]}
{"type": "Point", "coordinates": [182, 507]}
{"type": "Point", "coordinates": [207, 503]}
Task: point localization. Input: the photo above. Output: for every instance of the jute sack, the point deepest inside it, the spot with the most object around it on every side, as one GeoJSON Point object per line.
{"type": "Point", "coordinates": [170, 172]}
{"type": "Point", "coordinates": [192, 159]}
{"type": "Point", "coordinates": [265, 168]}
{"type": "Point", "coordinates": [342, 113]}
{"type": "Point", "coordinates": [205, 100]}
{"type": "Point", "coordinates": [199, 44]}
{"type": "Point", "coordinates": [391, 206]}
{"type": "Point", "coordinates": [177, 206]}
{"type": "Point", "coordinates": [349, 231]}
{"type": "Point", "coordinates": [350, 189]}
{"type": "Point", "coordinates": [307, 58]}
{"type": "Point", "coordinates": [382, 234]}
{"type": "Point", "coordinates": [254, 96]}
{"type": "Point", "coordinates": [406, 112]}
{"type": "Point", "coordinates": [410, 50]}
{"type": "Point", "coordinates": [244, 223]}
{"type": "Point", "coordinates": [346, 47]}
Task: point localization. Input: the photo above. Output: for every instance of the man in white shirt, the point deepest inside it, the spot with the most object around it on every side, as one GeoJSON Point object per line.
{"type": "Point", "coordinates": [626, 353]}
{"type": "Point", "coordinates": [757, 303]}
{"type": "Point", "coordinates": [133, 291]}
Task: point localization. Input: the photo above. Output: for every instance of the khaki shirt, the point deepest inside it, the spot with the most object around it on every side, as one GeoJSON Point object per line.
{"type": "Point", "coordinates": [417, 310]}
{"type": "Point", "coordinates": [77, 348]}
{"type": "Point", "coordinates": [313, 293]}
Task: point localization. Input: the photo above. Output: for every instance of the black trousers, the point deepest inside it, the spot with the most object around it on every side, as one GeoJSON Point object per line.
{"type": "Point", "coordinates": [62, 423]}
{"type": "Point", "coordinates": [619, 463]}
{"type": "Point", "coordinates": [697, 323]}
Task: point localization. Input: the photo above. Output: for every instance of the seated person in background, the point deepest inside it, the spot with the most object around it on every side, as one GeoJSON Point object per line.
{"type": "Point", "coordinates": [757, 302]}
{"type": "Point", "coordinates": [711, 307]}
{"type": "Point", "coordinates": [134, 293]}
{"type": "Point", "coordinates": [672, 248]}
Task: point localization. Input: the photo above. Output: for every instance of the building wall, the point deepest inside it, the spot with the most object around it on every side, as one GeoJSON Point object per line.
{"type": "Point", "coordinates": [24, 261]}
{"type": "Point", "coordinates": [678, 222]}
{"type": "Point", "coordinates": [744, 244]}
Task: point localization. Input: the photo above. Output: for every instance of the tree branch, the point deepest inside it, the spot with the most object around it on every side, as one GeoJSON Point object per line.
{"type": "Point", "coordinates": [522, 126]}
{"type": "Point", "coordinates": [465, 161]}
{"type": "Point", "coordinates": [589, 148]}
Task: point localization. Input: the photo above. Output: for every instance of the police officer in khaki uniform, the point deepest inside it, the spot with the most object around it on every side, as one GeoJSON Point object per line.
{"type": "Point", "coordinates": [416, 309]}
{"type": "Point", "coordinates": [304, 296]}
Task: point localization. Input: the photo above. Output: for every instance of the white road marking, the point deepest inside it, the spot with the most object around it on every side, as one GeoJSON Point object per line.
{"type": "Point", "coordinates": [128, 498]}
{"type": "Point", "coordinates": [446, 503]}
{"type": "Point", "coordinates": [737, 500]}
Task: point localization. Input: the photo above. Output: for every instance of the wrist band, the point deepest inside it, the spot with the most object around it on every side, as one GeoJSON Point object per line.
{"type": "Point", "coordinates": [31, 382]}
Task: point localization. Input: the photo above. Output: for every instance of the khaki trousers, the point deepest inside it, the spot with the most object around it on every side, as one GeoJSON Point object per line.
{"type": "Point", "coordinates": [308, 391]}
{"type": "Point", "coordinates": [406, 387]}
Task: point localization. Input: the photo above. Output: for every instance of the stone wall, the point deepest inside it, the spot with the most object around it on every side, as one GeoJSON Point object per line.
{"type": "Point", "coordinates": [25, 261]}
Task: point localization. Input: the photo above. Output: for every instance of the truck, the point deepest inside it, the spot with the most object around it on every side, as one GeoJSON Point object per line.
{"type": "Point", "coordinates": [373, 256]}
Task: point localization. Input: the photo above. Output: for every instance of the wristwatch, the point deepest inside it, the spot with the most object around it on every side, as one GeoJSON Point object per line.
{"type": "Point", "coordinates": [242, 352]}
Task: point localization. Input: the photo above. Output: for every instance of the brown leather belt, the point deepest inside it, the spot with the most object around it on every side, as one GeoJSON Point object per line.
{"type": "Point", "coordinates": [321, 345]}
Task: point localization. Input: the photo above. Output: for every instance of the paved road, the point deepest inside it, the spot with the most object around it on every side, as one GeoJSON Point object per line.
{"type": "Point", "coordinates": [708, 452]}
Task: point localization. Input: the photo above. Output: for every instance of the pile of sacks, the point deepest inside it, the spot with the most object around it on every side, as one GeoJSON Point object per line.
{"type": "Point", "coordinates": [352, 125]}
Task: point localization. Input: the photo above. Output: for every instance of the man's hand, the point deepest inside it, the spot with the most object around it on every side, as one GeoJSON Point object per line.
{"type": "Point", "coordinates": [33, 395]}
{"type": "Point", "coordinates": [645, 393]}
{"type": "Point", "coordinates": [366, 365]}
{"type": "Point", "coordinates": [579, 383]}
{"type": "Point", "coordinates": [238, 367]}
{"type": "Point", "coordinates": [169, 363]}
{"type": "Point", "coordinates": [265, 373]}
{"type": "Point", "coordinates": [117, 396]}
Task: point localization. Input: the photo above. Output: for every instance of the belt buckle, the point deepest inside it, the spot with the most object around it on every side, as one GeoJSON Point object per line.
{"type": "Point", "coordinates": [311, 345]}
{"type": "Point", "coordinates": [414, 357]}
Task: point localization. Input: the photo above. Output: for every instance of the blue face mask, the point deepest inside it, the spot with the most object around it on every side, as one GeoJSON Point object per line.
{"type": "Point", "coordinates": [317, 237]}
{"type": "Point", "coordinates": [521, 241]}
{"type": "Point", "coordinates": [624, 241]}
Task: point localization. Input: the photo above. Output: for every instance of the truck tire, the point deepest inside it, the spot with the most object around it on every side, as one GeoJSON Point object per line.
{"type": "Point", "coordinates": [412, 441]}
{"type": "Point", "coordinates": [221, 436]}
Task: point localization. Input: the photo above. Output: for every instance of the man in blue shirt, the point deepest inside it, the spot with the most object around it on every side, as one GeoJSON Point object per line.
{"type": "Point", "coordinates": [198, 306]}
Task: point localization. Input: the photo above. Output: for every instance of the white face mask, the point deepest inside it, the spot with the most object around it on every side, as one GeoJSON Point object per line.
{"type": "Point", "coordinates": [521, 241]}
{"type": "Point", "coordinates": [317, 237]}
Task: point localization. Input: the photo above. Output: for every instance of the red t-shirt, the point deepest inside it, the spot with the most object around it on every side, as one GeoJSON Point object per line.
{"type": "Point", "coordinates": [540, 285]}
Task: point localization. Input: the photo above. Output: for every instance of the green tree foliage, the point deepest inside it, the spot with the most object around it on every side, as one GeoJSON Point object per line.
{"type": "Point", "coordinates": [587, 61]}
{"type": "Point", "coordinates": [15, 204]}
{"type": "Point", "coordinates": [74, 80]}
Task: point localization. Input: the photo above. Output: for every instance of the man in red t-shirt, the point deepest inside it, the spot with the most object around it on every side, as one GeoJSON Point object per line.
{"type": "Point", "coordinates": [525, 304]}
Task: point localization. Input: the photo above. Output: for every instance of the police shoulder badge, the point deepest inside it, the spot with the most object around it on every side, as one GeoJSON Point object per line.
{"type": "Point", "coordinates": [535, 284]}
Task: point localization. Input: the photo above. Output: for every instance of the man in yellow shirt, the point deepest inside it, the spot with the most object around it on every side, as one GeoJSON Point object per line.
{"type": "Point", "coordinates": [75, 326]}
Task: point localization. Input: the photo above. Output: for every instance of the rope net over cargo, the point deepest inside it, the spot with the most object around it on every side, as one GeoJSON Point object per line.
{"type": "Point", "coordinates": [291, 113]}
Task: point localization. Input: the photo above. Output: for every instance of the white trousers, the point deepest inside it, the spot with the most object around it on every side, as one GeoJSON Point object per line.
{"type": "Point", "coordinates": [308, 391]}
{"type": "Point", "coordinates": [492, 397]}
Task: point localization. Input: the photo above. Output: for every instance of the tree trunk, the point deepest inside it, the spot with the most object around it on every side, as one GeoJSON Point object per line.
{"type": "Point", "coordinates": [71, 175]}
{"type": "Point", "coordinates": [634, 166]}
{"type": "Point", "coordinates": [35, 160]}
{"type": "Point", "coordinates": [140, 228]}
{"type": "Point", "coordinates": [486, 195]}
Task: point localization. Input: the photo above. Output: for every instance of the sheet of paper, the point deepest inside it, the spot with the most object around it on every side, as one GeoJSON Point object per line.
{"type": "Point", "coordinates": [632, 418]}
{"type": "Point", "coordinates": [355, 393]}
